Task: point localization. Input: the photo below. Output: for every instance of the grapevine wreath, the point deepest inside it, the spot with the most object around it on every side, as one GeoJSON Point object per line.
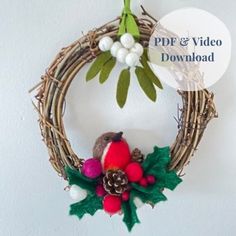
{"type": "Point", "coordinates": [117, 179]}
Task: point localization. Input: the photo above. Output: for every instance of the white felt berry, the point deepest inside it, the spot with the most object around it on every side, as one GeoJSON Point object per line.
{"type": "Point", "coordinates": [121, 55]}
{"type": "Point", "coordinates": [138, 49]}
{"type": "Point", "coordinates": [138, 202]}
{"type": "Point", "coordinates": [127, 40]}
{"type": "Point", "coordinates": [105, 43]}
{"type": "Point", "coordinates": [77, 193]}
{"type": "Point", "coordinates": [132, 59]}
{"type": "Point", "coordinates": [115, 47]}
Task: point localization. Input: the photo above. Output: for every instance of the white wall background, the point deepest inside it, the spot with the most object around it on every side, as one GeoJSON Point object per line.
{"type": "Point", "coordinates": [32, 200]}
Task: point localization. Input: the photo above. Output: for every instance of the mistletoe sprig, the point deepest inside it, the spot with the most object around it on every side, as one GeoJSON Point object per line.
{"type": "Point", "coordinates": [155, 165]}
{"type": "Point", "coordinates": [126, 51]}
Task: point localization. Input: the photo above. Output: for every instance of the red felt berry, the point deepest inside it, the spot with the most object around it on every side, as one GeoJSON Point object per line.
{"type": "Point", "coordinates": [151, 179]}
{"type": "Point", "coordinates": [143, 182]}
{"type": "Point", "coordinates": [134, 172]}
{"type": "Point", "coordinates": [111, 204]}
{"type": "Point", "coordinates": [125, 196]}
{"type": "Point", "coordinates": [100, 191]}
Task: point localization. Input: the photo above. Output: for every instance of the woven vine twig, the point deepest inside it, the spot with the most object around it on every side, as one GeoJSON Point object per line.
{"type": "Point", "coordinates": [197, 110]}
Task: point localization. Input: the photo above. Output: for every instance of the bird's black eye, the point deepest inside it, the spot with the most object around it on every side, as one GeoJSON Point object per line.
{"type": "Point", "coordinates": [106, 138]}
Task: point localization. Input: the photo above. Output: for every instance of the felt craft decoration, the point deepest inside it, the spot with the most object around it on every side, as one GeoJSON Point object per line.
{"type": "Point", "coordinates": [127, 50]}
{"type": "Point", "coordinates": [92, 168]}
{"type": "Point", "coordinates": [117, 179]}
{"type": "Point", "coordinates": [112, 204]}
{"type": "Point", "coordinates": [134, 172]}
{"type": "Point", "coordinates": [77, 193]}
{"type": "Point", "coordinates": [146, 182]}
{"type": "Point", "coordinates": [116, 155]}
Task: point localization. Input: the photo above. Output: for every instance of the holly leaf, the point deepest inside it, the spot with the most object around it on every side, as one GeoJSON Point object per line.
{"type": "Point", "coordinates": [106, 69]}
{"type": "Point", "coordinates": [156, 164]}
{"type": "Point", "coordinates": [146, 84]}
{"type": "Point", "coordinates": [89, 205]}
{"type": "Point", "coordinates": [149, 73]}
{"type": "Point", "coordinates": [170, 180]}
{"type": "Point", "coordinates": [75, 177]}
{"type": "Point", "coordinates": [159, 158]}
{"type": "Point", "coordinates": [123, 87]}
{"type": "Point", "coordinates": [130, 216]}
{"type": "Point", "coordinates": [152, 197]}
{"type": "Point", "coordinates": [97, 65]}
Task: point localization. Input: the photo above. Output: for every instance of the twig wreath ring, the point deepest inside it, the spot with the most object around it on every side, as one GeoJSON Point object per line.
{"type": "Point", "coordinates": [117, 179]}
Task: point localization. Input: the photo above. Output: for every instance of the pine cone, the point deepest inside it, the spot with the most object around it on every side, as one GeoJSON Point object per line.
{"type": "Point", "coordinates": [115, 182]}
{"type": "Point", "coordinates": [137, 155]}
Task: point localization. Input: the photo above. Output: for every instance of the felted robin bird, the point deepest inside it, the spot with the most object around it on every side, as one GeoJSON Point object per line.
{"type": "Point", "coordinates": [113, 151]}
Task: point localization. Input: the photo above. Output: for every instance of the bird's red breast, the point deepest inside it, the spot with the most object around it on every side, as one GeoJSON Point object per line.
{"type": "Point", "coordinates": [116, 156]}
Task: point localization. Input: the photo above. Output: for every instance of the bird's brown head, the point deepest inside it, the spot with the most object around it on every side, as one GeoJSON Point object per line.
{"type": "Point", "coordinates": [102, 142]}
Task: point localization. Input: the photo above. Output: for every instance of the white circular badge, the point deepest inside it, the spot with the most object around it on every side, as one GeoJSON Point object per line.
{"type": "Point", "coordinates": [190, 49]}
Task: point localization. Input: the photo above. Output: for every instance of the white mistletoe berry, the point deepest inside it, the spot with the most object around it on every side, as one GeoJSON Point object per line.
{"type": "Point", "coordinates": [115, 47]}
{"type": "Point", "coordinates": [138, 49]}
{"type": "Point", "coordinates": [132, 59]}
{"type": "Point", "coordinates": [121, 55]}
{"type": "Point", "coordinates": [105, 43]}
{"type": "Point", "coordinates": [127, 40]}
{"type": "Point", "coordinates": [77, 193]}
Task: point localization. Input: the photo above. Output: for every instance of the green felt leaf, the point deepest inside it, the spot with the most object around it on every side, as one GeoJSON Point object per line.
{"type": "Point", "coordinates": [97, 65]}
{"type": "Point", "coordinates": [158, 171]}
{"type": "Point", "coordinates": [145, 83]}
{"type": "Point", "coordinates": [131, 26]}
{"type": "Point", "coordinates": [160, 157]}
{"type": "Point", "coordinates": [87, 206]}
{"type": "Point", "coordinates": [156, 164]}
{"type": "Point", "coordinates": [170, 180]}
{"type": "Point", "coordinates": [145, 54]}
{"type": "Point", "coordinates": [106, 69]}
{"type": "Point", "coordinates": [149, 189]}
{"type": "Point", "coordinates": [123, 87]}
{"type": "Point", "coordinates": [148, 197]}
{"type": "Point", "coordinates": [122, 27]}
{"type": "Point", "coordinates": [128, 23]}
{"type": "Point", "coordinates": [75, 177]}
{"type": "Point", "coordinates": [130, 216]}
{"type": "Point", "coordinates": [149, 73]}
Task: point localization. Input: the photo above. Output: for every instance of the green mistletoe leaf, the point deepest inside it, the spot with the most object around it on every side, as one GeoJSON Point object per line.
{"type": "Point", "coordinates": [130, 216]}
{"type": "Point", "coordinates": [97, 65]}
{"type": "Point", "coordinates": [131, 26]}
{"type": "Point", "coordinates": [106, 70]}
{"type": "Point", "coordinates": [75, 177]}
{"type": "Point", "coordinates": [123, 87]}
{"type": "Point", "coordinates": [149, 73]}
{"type": "Point", "coordinates": [146, 84]}
{"type": "Point", "coordinates": [122, 27]}
{"type": "Point", "coordinates": [128, 23]}
{"type": "Point", "coordinates": [87, 206]}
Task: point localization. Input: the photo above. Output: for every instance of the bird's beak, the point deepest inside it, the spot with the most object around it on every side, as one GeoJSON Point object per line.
{"type": "Point", "coordinates": [117, 137]}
